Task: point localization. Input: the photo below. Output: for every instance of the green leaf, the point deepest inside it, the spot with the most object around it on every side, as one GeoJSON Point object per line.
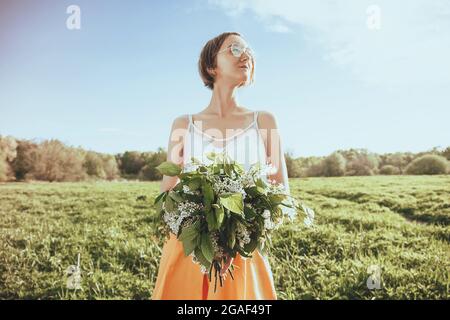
{"type": "Point", "coordinates": [211, 155]}
{"type": "Point", "coordinates": [243, 253]}
{"type": "Point", "coordinates": [238, 169]}
{"type": "Point", "coordinates": [276, 199]}
{"type": "Point", "coordinates": [169, 169]}
{"type": "Point", "coordinates": [211, 220]}
{"type": "Point", "coordinates": [255, 191]}
{"type": "Point", "coordinates": [175, 196]}
{"type": "Point", "coordinates": [220, 215]}
{"type": "Point", "coordinates": [260, 183]}
{"type": "Point", "coordinates": [159, 202]}
{"type": "Point", "coordinates": [195, 161]}
{"type": "Point", "coordinates": [208, 193]}
{"type": "Point", "coordinates": [198, 253]}
{"type": "Point", "coordinates": [227, 169]}
{"type": "Point", "coordinates": [189, 245]}
{"type": "Point", "coordinates": [195, 183]}
{"type": "Point", "coordinates": [169, 204]}
{"type": "Point", "coordinates": [233, 202]}
{"type": "Point", "coordinates": [261, 190]}
{"type": "Point", "coordinates": [251, 246]}
{"type": "Point", "coordinates": [249, 213]}
{"type": "Point", "coordinates": [159, 197]}
{"type": "Point", "coordinates": [190, 232]}
{"type": "Point", "coordinates": [231, 234]}
{"type": "Point", "coordinates": [207, 248]}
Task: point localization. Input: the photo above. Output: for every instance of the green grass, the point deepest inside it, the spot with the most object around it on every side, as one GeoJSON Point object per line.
{"type": "Point", "coordinates": [398, 223]}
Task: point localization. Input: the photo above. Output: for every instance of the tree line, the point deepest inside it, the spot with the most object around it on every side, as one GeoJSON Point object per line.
{"type": "Point", "coordinates": [52, 160]}
{"type": "Point", "coordinates": [361, 162]}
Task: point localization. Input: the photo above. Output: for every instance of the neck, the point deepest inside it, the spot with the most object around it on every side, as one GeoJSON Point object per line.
{"type": "Point", "coordinates": [223, 101]}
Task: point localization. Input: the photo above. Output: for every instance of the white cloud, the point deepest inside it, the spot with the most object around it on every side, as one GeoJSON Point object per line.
{"type": "Point", "coordinates": [279, 27]}
{"type": "Point", "coordinates": [411, 48]}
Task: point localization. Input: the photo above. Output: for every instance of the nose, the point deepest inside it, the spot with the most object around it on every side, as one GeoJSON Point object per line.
{"type": "Point", "coordinates": [245, 56]}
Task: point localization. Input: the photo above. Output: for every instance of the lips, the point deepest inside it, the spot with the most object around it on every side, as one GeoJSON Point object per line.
{"type": "Point", "coordinates": [244, 67]}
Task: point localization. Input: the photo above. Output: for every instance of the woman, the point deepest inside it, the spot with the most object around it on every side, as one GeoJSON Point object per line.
{"type": "Point", "coordinates": [226, 63]}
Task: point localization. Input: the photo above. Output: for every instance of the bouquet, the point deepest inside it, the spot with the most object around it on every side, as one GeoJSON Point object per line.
{"type": "Point", "coordinates": [219, 210]}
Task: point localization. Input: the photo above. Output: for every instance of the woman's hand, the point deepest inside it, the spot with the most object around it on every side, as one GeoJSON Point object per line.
{"type": "Point", "coordinates": [228, 262]}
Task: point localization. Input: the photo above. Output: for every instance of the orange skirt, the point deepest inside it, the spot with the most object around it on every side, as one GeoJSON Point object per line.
{"type": "Point", "coordinates": [179, 278]}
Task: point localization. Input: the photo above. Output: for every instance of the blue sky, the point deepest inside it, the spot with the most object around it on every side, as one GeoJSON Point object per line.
{"type": "Point", "coordinates": [331, 80]}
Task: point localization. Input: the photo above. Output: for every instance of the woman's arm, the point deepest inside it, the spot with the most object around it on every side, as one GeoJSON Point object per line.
{"type": "Point", "coordinates": [175, 150]}
{"type": "Point", "coordinates": [274, 149]}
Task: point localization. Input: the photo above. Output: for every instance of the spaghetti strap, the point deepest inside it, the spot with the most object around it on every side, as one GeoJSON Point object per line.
{"type": "Point", "coordinates": [190, 118]}
{"type": "Point", "coordinates": [255, 119]}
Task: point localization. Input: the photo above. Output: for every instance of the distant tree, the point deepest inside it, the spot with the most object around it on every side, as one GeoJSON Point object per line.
{"type": "Point", "coordinates": [428, 164]}
{"type": "Point", "coordinates": [131, 162]}
{"type": "Point", "coordinates": [399, 160]}
{"type": "Point", "coordinates": [446, 153]}
{"type": "Point", "coordinates": [360, 162]}
{"type": "Point", "coordinates": [292, 165]}
{"type": "Point", "coordinates": [334, 165]}
{"type": "Point", "coordinates": [389, 170]}
{"type": "Point", "coordinates": [56, 162]}
{"type": "Point", "coordinates": [93, 164]}
{"type": "Point", "coordinates": [110, 167]}
{"type": "Point", "coordinates": [8, 152]}
{"type": "Point", "coordinates": [152, 160]}
{"type": "Point", "coordinates": [314, 167]}
{"type": "Point", "coordinates": [25, 159]}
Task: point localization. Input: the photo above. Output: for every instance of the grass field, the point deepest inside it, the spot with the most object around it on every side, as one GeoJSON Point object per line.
{"type": "Point", "coordinates": [399, 225]}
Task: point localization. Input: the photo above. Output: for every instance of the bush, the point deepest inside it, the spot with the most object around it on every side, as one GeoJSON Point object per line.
{"type": "Point", "coordinates": [8, 152]}
{"type": "Point", "coordinates": [398, 159]}
{"type": "Point", "coordinates": [334, 165]}
{"type": "Point", "coordinates": [292, 166]}
{"type": "Point", "coordinates": [93, 164]}
{"type": "Point", "coordinates": [428, 164]}
{"type": "Point", "coordinates": [110, 167]}
{"type": "Point", "coordinates": [56, 162]}
{"type": "Point", "coordinates": [389, 170]}
{"type": "Point", "coordinates": [152, 160]}
{"type": "Point", "coordinates": [25, 159]}
{"type": "Point", "coordinates": [131, 162]}
{"type": "Point", "coordinates": [360, 162]}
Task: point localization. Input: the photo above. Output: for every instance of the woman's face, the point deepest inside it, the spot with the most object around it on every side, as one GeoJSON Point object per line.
{"type": "Point", "coordinates": [233, 70]}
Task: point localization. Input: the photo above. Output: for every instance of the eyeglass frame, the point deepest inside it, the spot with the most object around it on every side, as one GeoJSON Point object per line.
{"type": "Point", "coordinates": [244, 50]}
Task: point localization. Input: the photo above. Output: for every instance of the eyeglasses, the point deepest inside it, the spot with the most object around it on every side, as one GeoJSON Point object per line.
{"type": "Point", "coordinates": [237, 50]}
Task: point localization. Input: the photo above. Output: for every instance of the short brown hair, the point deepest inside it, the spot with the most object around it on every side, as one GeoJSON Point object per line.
{"type": "Point", "coordinates": [208, 58]}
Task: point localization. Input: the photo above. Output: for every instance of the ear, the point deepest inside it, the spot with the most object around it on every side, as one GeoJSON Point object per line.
{"type": "Point", "coordinates": [211, 71]}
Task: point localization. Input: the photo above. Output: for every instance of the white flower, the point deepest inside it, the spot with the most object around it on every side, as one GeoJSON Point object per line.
{"type": "Point", "coordinates": [184, 210]}
{"type": "Point", "coordinates": [268, 224]}
{"type": "Point", "coordinates": [187, 190]}
{"type": "Point", "coordinates": [266, 214]}
{"type": "Point", "coordinates": [242, 235]}
{"type": "Point", "coordinates": [225, 184]}
{"type": "Point", "coordinates": [190, 166]}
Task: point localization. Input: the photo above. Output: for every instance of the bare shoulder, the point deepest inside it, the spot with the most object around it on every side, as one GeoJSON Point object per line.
{"type": "Point", "coordinates": [180, 122]}
{"type": "Point", "coordinates": [266, 120]}
{"type": "Point", "coordinates": [176, 139]}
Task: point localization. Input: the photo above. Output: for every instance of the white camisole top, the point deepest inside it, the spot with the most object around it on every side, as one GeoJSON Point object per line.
{"type": "Point", "coordinates": [245, 146]}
